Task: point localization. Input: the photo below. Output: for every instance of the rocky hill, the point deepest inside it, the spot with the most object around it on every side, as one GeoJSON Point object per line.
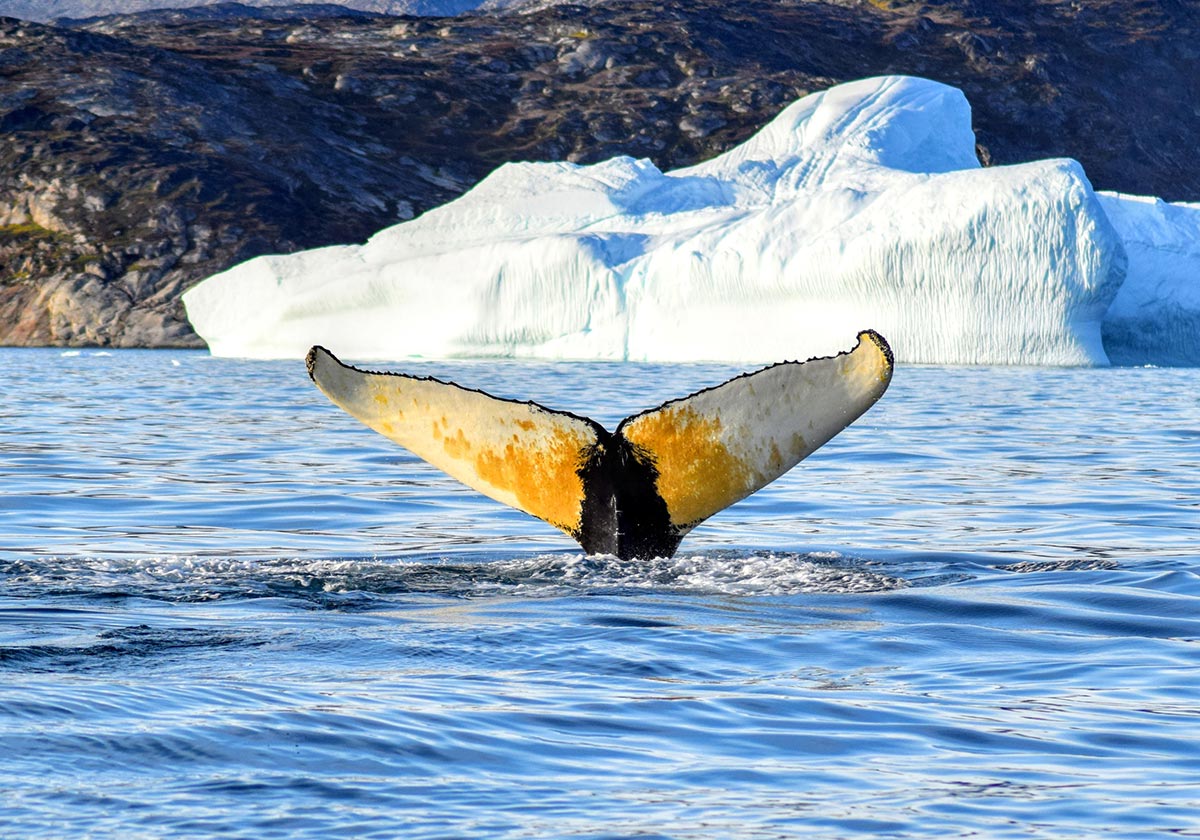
{"type": "Point", "coordinates": [49, 10]}
{"type": "Point", "coordinates": [142, 153]}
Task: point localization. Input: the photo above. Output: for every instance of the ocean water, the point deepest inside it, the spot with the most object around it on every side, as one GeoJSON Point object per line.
{"type": "Point", "coordinates": [228, 610]}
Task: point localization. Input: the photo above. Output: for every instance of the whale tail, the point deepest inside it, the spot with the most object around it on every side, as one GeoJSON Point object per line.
{"type": "Point", "coordinates": [637, 491]}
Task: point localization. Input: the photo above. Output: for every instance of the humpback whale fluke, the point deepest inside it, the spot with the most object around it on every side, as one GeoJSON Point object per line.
{"type": "Point", "coordinates": [637, 491]}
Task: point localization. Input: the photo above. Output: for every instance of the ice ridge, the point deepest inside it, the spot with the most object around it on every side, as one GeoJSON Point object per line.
{"type": "Point", "coordinates": [860, 206]}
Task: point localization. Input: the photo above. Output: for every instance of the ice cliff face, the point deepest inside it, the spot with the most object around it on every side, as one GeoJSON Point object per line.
{"type": "Point", "coordinates": [1155, 318]}
{"type": "Point", "coordinates": [862, 206]}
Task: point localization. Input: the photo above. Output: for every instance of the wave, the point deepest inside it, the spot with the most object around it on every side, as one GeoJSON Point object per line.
{"type": "Point", "coordinates": [191, 579]}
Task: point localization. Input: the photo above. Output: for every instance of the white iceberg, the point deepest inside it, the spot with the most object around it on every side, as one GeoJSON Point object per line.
{"type": "Point", "coordinates": [1155, 318]}
{"type": "Point", "coordinates": [862, 206]}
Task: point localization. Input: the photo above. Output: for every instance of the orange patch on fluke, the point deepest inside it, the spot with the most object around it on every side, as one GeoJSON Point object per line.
{"type": "Point", "coordinates": [457, 446]}
{"type": "Point", "coordinates": [775, 463]}
{"type": "Point", "coordinates": [697, 474]}
{"type": "Point", "coordinates": [542, 473]}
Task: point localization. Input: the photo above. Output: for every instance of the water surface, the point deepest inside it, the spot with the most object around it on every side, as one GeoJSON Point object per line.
{"type": "Point", "coordinates": [227, 609]}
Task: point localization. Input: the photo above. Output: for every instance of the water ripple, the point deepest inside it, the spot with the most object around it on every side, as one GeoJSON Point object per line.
{"type": "Point", "coordinates": [204, 579]}
{"type": "Point", "coordinates": [227, 610]}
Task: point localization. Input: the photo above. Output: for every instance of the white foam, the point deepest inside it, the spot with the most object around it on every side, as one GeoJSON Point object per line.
{"type": "Point", "coordinates": [197, 579]}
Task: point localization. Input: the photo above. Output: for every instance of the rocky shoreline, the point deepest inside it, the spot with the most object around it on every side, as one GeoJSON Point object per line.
{"type": "Point", "coordinates": [143, 153]}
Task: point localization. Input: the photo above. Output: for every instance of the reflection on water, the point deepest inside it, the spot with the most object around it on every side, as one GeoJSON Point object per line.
{"type": "Point", "coordinates": [228, 609]}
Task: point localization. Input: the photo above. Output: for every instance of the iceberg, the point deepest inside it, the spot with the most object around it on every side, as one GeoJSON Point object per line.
{"type": "Point", "coordinates": [1155, 318]}
{"type": "Point", "coordinates": [862, 206]}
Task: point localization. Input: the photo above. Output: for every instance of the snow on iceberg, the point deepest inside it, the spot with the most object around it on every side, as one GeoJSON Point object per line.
{"type": "Point", "coordinates": [861, 206]}
{"type": "Point", "coordinates": [1155, 318]}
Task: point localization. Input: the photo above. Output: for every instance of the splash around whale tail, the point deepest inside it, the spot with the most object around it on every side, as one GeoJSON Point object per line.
{"type": "Point", "coordinates": [637, 491]}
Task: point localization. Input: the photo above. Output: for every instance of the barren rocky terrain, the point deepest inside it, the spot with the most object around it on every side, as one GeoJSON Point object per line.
{"type": "Point", "coordinates": [49, 10]}
{"type": "Point", "coordinates": [141, 153]}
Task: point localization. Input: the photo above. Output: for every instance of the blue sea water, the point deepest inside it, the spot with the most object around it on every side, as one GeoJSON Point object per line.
{"type": "Point", "coordinates": [228, 610]}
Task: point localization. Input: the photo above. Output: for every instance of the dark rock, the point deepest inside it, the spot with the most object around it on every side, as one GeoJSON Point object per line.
{"type": "Point", "coordinates": [143, 153]}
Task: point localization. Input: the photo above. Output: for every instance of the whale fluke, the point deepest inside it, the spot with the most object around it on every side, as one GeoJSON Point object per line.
{"type": "Point", "coordinates": [635, 492]}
